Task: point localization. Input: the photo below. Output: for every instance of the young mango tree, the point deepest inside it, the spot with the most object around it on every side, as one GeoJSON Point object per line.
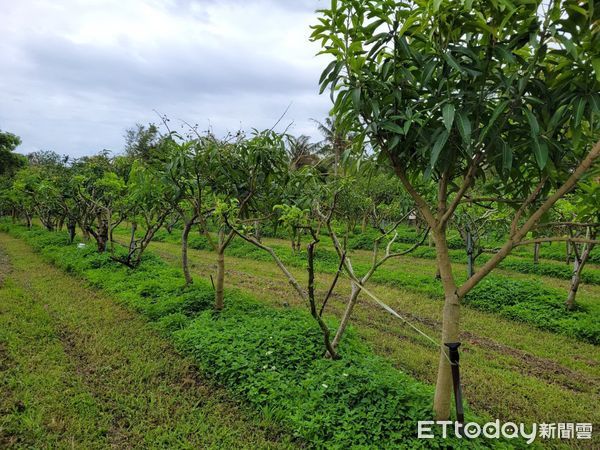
{"type": "Point", "coordinates": [21, 195]}
{"type": "Point", "coordinates": [149, 201]}
{"type": "Point", "coordinates": [580, 214]}
{"type": "Point", "coordinates": [588, 206]}
{"type": "Point", "coordinates": [69, 206]}
{"type": "Point", "coordinates": [187, 171]}
{"type": "Point", "coordinates": [294, 218]}
{"type": "Point", "coordinates": [240, 176]}
{"type": "Point", "coordinates": [101, 195]}
{"type": "Point", "coordinates": [386, 239]}
{"type": "Point", "coordinates": [457, 92]}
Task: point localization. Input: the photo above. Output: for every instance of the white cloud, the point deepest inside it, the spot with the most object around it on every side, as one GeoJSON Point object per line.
{"type": "Point", "coordinates": [77, 73]}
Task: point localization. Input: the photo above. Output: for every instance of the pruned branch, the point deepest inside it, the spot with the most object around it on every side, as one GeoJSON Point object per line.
{"type": "Point", "coordinates": [333, 284]}
{"type": "Point", "coordinates": [291, 279]}
{"type": "Point", "coordinates": [404, 252]}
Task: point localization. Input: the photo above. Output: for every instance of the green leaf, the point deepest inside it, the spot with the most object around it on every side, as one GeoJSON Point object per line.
{"type": "Point", "coordinates": [408, 22]}
{"type": "Point", "coordinates": [556, 118]}
{"type": "Point", "coordinates": [327, 71]}
{"type": "Point", "coordinates": [428, 72]}
{"type": "Point", "coordinates": [464, 127]}
{"type": "Point", "coordinates": [505, 54]}
{"type": "Point", "coordinates": [452, 62]}
{"type": "Point", "coordinates": [569, 46]}
{"type": "Point", "coordinates": [533, 123]}
{"type": "Point", "coordinates": [394, 128]}
{"type": "Point", "coordinates": [356, 97]}
{"type": "Point", "coordinates": [375, 109]}
{"type": "Point", "coordinates": [579, 111]}
{"type": "Point", "coordinates": [540, 150]}
{"type": "Point", "coordinates": [595, 103]}
{"type": "Point", "coordinates": [394, 142]}
{"type": "Point", "coordinates": [438, 146]}
{"type": "Point", "coordinates": [507, 156]}
{"type": "Point", "coordinates": [448, 113]}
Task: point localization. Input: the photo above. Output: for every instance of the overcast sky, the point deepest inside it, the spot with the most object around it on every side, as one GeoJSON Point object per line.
{"type": "Point", "coordinates": [76, 73]}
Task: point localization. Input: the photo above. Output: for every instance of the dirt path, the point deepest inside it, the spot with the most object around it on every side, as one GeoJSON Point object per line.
{"type": "Point", "coordinates": [79, 371]}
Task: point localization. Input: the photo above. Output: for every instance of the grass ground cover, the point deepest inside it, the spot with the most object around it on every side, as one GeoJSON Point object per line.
{"type": "Point", "coordinates": [526, 300]}
{"type": "Point", "coordinates": [79, 371]}
{"type": "Point", "coordinates": [270, 358]}
{"type": "Point", "coordinates": [510, 370]}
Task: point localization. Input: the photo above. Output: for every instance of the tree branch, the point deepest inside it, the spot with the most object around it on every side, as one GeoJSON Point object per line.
{"type": "Point", "coordinates": [534, 218]}
{"type": "Point", "coordinates": [528, 201]}
{"type": "Point", "coordinates": [466, 185]}
{"type": "Point", "coordinates": [419, 200]}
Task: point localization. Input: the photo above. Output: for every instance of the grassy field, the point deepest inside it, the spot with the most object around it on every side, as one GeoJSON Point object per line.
{"type": "Point", "coordinates": [79, 371]}
{"type": "Point", "coordinates": [511, 371]}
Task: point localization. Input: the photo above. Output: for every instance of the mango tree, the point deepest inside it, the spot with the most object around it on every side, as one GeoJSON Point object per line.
{"type": "Point", "coordinates": [293, 217]}
{"type": "Point", "coordinates": [21, 195]}
{"type": "Point", "coordinates": [240, 176]}
{"type": "Point", "coordinates": [101, 197]}
{"type": "Point", "coordinates": [580, 214]}
{"type": "Point", "coordinates": [588, 203]}
{"type": "Point", "coordinates": [186, 170]}
{"type": "Point", "coordinates": [455, 92]}
{"type": "Point", "coordinates": [149, 201]}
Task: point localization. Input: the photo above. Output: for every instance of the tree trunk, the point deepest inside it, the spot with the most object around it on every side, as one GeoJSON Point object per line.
{"type": "Point", "coordinates": [336, 162]}
{"type": "Point", "coordinates": [71, 226]}
{"type": "Point", "coordinates": [131, 237]}
{"type": "Point", "coordinates": [450, 328]}
{"type": "Point", "coordinates": [569, 252]}
{"type": "Point", "coordinates": [576, 279]}
{"type": "Point", "coordinates": [365, 222]}
{"type": "Point", "coordinates": [346, 317]}
{"type": "Point", "coordinates": [310, 251]}
{"type": "Point", "coordinates": [257, 235]}
{"type": "Point", "coordinates": [219, 302]}
{"type": "Point", "coordinates": [184, 252]}
{"type": "Point", "coordinates": [294, 231]}
{"type": "Point", "coordinates": [536, 253]}
{"type": "Point", "coordinates": [102, 235]}
{"type": "Point", "coordinates": [470, 259]}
